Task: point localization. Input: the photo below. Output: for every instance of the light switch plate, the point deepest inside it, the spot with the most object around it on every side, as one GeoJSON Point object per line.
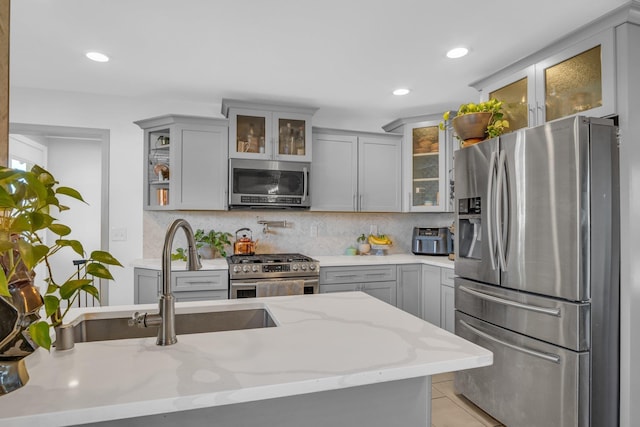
{"type": "Point", "coordinates": [118, 234]}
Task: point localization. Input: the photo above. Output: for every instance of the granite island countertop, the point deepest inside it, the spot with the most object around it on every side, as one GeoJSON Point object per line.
{"type": "Point", "coordinates": [321, 342]}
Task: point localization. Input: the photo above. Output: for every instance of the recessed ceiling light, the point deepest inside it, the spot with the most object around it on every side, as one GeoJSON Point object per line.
{"type": "Point", "coordinates": [457, 52]}
{"type": "Point", "coordinates": [97, 56]}
{"type": "Point", "coordinates": [400, 92]}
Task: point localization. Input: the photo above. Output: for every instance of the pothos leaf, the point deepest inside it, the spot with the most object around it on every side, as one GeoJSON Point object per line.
{"type": "Point", "coordinates": [39, 332]}
{"type": "Point", "coordinates": [75, 245]}
{"type": "Point", "coordinates": [104, 257]}
{"type": "Point", "coordinates": [31, 254]}
{"type": "Point", "coordinates": [98, 270]}
{"type": "Point", "coordinates": [68, 191]}
{"type": "Point", "coordinates": [4, 285]}
{"type": "Point", "coordinates": [71, 287]}
{"type": "Point", "coordinates": [60, 229]}
{"type": "Point", "coordinates": [6, 201]}
{"type": "Point", "coordinates": [51, 304]}
{"type": "Point", "coordinates": [92, 290]}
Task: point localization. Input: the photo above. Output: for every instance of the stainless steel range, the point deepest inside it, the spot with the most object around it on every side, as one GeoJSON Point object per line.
{"type": "Point", "coordinates": [253, 276]}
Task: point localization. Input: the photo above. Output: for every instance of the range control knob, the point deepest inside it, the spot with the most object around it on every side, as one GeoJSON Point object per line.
{"type": "Point", "coordinates": [303, 266]}
{"type": "Point", "coordinates": [312, 267]}
{"type": "Point", "coordinates": [236, 268]}
{"type": "Point", "coordinates": [254, 268]}
{"type": "Point", "coordinates": [245, 268]}
{"type": "Point", "coordinates": [294, 267]}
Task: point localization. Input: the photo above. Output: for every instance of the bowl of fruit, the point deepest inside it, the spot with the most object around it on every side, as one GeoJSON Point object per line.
{"type": "Point", "coordinates": [380, 243]}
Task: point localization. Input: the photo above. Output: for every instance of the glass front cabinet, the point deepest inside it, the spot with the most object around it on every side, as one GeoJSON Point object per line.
{"type": "Point", "coordinates": [427, 164]}
{"type": "Point", "coordinates": [268, 132]}
{"type": "Point", "coordinates": [185, 162]}
{"type": "Point", "coordinates": [580, 79]}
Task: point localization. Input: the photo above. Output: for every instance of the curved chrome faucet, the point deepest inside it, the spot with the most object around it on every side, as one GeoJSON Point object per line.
{"type": "Point", "coordinates": [166, 317]}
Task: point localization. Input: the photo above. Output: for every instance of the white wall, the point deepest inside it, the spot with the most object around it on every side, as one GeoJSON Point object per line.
{"type": "Point", "coordinates": [76, 163]}
{"type": "Point", "coordinates": [117, 115]}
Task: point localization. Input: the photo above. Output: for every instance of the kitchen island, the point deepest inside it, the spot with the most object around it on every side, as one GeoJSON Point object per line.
{"type": "Point", "coordinates": [333, 359]}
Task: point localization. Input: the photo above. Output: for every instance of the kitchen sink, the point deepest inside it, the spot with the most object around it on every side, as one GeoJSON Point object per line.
{"type": "Point", "coordinates": [117, 328]}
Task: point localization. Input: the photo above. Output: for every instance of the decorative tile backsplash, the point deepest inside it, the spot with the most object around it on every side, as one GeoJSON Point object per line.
{"type": "Point", "coordinates": [307, 232]}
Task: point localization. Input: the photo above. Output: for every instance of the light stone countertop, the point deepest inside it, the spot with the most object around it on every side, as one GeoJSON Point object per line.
{"type": "Point", "coordinates": [325, 261]}
{"type": "Point", "coordinates": [322, 342]}
{"type": "Point", "coordinates": [355, 260]}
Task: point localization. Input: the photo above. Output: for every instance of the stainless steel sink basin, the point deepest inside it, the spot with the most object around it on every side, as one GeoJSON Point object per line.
{"type": "Point", "coordinates": [101, 329]}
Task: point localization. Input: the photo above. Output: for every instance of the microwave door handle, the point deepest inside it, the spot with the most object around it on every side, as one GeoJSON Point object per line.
{"type": "Point", "coordinates": [305, 183]}
{"type": "Point", "coordinates": [492, 165]}
{"type": "Point", "coordinates": [502, 260]}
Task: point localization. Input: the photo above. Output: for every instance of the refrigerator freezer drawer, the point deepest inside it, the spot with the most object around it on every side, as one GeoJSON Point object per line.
{"type": "Point", "coordinates": [558, 322]}
{"type": "Point", "coordinates": [531, 383]}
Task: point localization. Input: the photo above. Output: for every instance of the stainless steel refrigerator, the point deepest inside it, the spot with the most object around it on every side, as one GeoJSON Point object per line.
{"type": "Point", "coordinates": [537, 241]}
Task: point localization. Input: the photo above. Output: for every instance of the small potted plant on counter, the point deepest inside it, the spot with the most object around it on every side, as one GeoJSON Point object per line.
{"type": "Point", "coordinates": [208, 244]}
{"type": "Point", "coordinates": [363, 245]}
{"type": "Point", "coordinates": [212, 242]}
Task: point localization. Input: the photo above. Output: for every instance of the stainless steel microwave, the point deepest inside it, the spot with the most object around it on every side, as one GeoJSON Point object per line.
{"type": "Point", "coordinates": [264, 184]}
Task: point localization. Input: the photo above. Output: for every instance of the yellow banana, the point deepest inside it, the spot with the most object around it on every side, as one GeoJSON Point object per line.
{"type": "Point", "coordinates": [379, 240]}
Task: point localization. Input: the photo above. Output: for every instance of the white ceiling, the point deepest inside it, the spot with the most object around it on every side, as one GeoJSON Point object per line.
{"type": "Point", "coordinates": [343, 56]}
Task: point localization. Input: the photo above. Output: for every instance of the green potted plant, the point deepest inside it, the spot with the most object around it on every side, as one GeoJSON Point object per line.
{"type": "Point", "coordinates": [27, 199]}
{"type": "Point", "coordinates": [208, 244]}
{"type": "Point", "coordinates": [27, 202]}
{"type": "Point", "coordinates": [476, 122]}
{"type": "Point", "coordinates": [363, 245]}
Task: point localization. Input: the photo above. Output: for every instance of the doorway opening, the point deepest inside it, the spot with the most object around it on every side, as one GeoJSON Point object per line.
{"type": "Point", "coordinates": [78, 158]}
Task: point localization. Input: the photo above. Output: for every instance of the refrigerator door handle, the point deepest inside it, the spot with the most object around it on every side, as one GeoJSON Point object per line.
{"type": "Point", "coordinates": [502, 260]}
{"type": "Point", "coordinates": [492, 165]}
{"type": "Point", "coordinates": [548, 357]}
{"type": "Point", "coordinates": [535, 308]}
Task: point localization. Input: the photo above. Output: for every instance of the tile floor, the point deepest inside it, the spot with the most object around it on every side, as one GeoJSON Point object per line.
{"type": "Point", "coordinates": [453, 410]}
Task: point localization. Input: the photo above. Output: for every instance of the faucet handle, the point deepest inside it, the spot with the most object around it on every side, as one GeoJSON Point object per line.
{"type": "Point", "coordinates": [138, 319]}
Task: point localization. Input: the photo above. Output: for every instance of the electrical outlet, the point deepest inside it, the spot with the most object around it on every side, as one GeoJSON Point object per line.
{"type": "Point", "coordinates": [118, 234]}
{"type": "Point", "coordinates": [373, 229]}
{"type": "Point", "coordinates": [313, 231]}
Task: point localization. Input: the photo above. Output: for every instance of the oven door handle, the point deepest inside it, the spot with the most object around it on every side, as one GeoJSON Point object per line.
{"type": "Point", "coordinates": [545, 356]}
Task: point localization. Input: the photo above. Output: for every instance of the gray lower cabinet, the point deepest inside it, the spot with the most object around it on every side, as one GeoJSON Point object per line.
{"type": "Point", "coordinates": [146, 285]}
{"type": "Point", "coordinates": [410, 289]}
{"type": "Point", "coordinates": [377, 281]}
{"type": "Point", "coordinates": [431, 283]}
{"type": "Point", "coordinates": [186, 285]}
{"type": "Point", "coordinates": [447, 306]}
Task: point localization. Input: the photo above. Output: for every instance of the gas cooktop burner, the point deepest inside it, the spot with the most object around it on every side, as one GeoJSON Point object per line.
{"type": "Point", "coordinates": [268, 258]}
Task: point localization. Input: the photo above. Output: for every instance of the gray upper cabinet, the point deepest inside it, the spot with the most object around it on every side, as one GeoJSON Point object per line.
{"type": "Point", "coordinates": [185, 163]}
{"type": "Point", "coordinates": [268, 132]}
{"type": "Point", "coordinates": [355, 172]}
{"type": "Point", "coordinates": [427, 163]}
{"type": "Point", "coordinates": [576, 79]}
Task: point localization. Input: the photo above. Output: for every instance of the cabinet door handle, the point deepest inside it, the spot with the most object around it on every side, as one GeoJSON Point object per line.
{"type": "Point", "coordinates": [345, 276]}
{"type": "Point", "coordinates": [361, 201]}
{"type": "Point", "coordinates": [355, 202]}
{"type": "Point", "coordinates": [548, 357]}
